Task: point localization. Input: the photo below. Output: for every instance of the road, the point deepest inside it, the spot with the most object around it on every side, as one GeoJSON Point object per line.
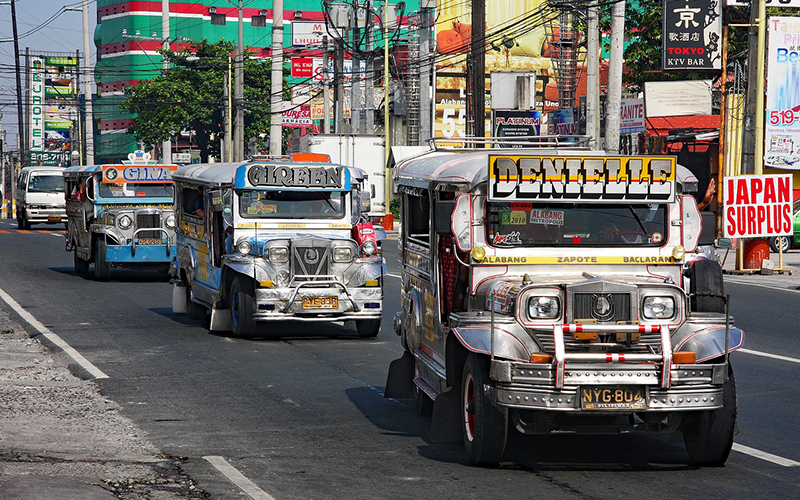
{"type": "Point", "coordinates": [302, 414]}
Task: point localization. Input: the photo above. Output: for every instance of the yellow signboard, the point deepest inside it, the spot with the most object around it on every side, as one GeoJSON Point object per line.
{"type": "Point", "coordinates": [575, 259]}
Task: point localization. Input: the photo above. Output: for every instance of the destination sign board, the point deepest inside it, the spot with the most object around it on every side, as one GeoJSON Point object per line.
{"type": "Point", "coordinates": [297, 177]}
{"type": "Point", "coordinates": [142, 174]}
{"type": "Point", "coordinates": [603, 179]}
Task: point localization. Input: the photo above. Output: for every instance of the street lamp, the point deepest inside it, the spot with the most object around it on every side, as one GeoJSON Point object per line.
{"type": "Point", "coordinates": [229, 104]}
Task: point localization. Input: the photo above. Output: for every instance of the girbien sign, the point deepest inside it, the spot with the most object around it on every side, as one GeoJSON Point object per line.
{"type": "Point", "coordinates": [297, 177]}
{"type": "Point", "coordinates": [608, 179]}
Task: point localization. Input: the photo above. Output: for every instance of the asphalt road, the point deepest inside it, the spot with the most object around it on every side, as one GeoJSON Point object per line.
{"type": "Point", "coordinates": [302, 415]}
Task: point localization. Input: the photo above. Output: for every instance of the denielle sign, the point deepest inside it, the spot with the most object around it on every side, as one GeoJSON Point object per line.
{"type": "Point", "coordinates": [36, 117]}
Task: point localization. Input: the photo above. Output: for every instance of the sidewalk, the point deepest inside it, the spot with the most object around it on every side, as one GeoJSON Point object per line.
{"type": "Point", "coordinates": [61, 439]}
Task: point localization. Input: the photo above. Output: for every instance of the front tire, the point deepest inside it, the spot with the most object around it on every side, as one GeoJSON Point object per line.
{"type": "Point", "coordinates": [367, 328]}
{"type": "Point", "coordinates": [102, 268]}
{"type": "Point", "coordinates": [484, 426]}
{"type": "Point", "coordinates": [243, 301]}
{"type": "Point", "coordinates": [708, 435]}
{"type": "Point", "coordinates": [81, 266]}
{"type": "Point", "coordinates": [707, 286]}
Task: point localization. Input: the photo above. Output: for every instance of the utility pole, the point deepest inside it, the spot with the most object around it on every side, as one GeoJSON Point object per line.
{"type": "Point", "coordinates": [355, 81]}
{"type": "Point", "coordinates": [23, 137]}
{"type": "Point", "coordinates": [369, 99]}
{"type": "Point", "coordinates": [276, 85]}
{"type": "Point", "coordinates": [761, 52]}
{"type": "Point", "coordinates": [326, 88]}
{"type": "Point", "coordinates": [87, 87]}
{"type": "Point", "coordinates": [338, 91]}
{"type": "Point", "coordinates": [238, 96]}
{"type": "Point", "coordinates": [166, 146]}
{"type": "Point", "coordinates": [593, 76]}
{"type": "Point", "coordinates": [478, 74]}
{"type": "Point", "coordinates": [425, 70]}
{"type": "Point", "coordinates": [615, 77]}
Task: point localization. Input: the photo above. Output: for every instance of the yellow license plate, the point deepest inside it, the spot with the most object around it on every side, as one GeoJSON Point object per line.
{"type": "Point", "coordinates": [613, 398]}
{"type": "Point", "coordinates": [53, 218]}
{"type": "Point", "coordinates": [150, 241]}
{"type": "Point", "coordinates": [320, 302]}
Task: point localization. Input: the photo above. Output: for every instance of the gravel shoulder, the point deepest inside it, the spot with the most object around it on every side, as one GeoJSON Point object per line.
{"type": "Point", "coordinates": [60, 438]}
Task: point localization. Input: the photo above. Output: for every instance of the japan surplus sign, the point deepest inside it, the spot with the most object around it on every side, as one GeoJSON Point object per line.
{"type": "Point", "coordinates": [782, 131]}
{"type": "Point", "coordinates": [691, 33]}
{"type": "Point", "coordinates": [758, 206]}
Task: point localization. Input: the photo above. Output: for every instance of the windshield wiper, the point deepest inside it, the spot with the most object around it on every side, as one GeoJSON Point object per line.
{"type": "Point", "coordinates": [638, 220]}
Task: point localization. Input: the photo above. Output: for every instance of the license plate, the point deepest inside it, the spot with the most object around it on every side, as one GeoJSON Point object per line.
{"type": "Point", "coordinates": [150, 241]}
{"type": "Point", "coordinates": [613, 398]}
{"type": "Point", "coordinates": [320, 302]}
{"type": "Point", "coordinates": [53, 218]}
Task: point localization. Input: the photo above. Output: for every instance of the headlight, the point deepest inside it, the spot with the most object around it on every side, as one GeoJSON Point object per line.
{"type": "Point", "coordinates": [243, 247]}
{"type": "Point", "coordinates": [368, 247]}
{"type": "Point", "coordinates": [124, 222]}
{"type": "Point", "coordinates": [282, 278]}
{"type": "Point", "coordinates": [170, 221]}
{"type": "Point", "coordinates": [658, 307]}
{"type": "Point", "coordinates": [278, 254]}
{"type": "Point", "coordinates": [544, 307]}
{"type": "Point", "coordinates": [342, 254]}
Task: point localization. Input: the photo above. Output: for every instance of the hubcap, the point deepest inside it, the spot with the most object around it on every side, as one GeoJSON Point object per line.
{"type": "Point", "coordinates": [469, 407]}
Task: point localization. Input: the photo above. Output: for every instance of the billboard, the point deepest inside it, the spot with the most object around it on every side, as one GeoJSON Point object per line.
{"type": "Point", "coordinates": [512, 48]}
{"type": "Point", "coordinates": [53, 108]}
{"type": "Point", "coordinates": [758, 206]}
{"type": "Point", "coordinates": [782, 126]}
{"type": "Point", "coordinates": [692, 35]}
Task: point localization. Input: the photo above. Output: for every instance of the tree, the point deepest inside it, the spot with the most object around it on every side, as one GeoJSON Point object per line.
{"type": "Point", "coordinates": [189, 96]}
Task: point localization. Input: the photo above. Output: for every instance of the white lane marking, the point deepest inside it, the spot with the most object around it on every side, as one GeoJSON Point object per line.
{"type": "Point", "coordinates": [237, 478]}
{"type": "Point", "coordinates": [393, 275]}
{"type": "Point", "coordinates": [763, 455]}
{"type": "Point", "coordinates": [60, 235]}
{"type": "Point", "coordinates": [761, 285]}
{"type": "Point", "coordinates": [768, 355]}
{"type": "Point", "coordinates": [52, 337]}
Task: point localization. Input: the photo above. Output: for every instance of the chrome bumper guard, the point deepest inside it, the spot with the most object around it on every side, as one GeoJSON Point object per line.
{"type": "Point", "coordinates": [284, 312]}
{"type": "Point", "coordinates": [135, 239]}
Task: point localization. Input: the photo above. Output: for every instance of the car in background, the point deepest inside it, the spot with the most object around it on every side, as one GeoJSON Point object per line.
{"type": "Point", "coordinates": [787, 242]}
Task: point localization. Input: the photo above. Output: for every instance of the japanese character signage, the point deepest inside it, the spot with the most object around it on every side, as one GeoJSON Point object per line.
{"type": "Point", "coordinates": [692, 35]}
{"type": "Point", "coordinates": [782, 130]}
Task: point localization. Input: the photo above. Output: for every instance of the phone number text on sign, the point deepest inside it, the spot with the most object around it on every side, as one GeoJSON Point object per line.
{"type": "Point", "coordinates": [758, 206]}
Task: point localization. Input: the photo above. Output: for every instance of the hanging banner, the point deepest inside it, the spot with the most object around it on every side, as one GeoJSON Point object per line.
{"type": "Point", "coordinates": [692, 32]}
{"type": "Point", "coordinates": [782, 129]}
{"type": "Point", "coordinates": [36, 121]}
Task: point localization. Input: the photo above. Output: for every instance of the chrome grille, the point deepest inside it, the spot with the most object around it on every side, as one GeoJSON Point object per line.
{"type": "Point", "coordinates": [310, 260]}
{"type": "Point", "coordinates": [583, 303]}
{"type": "Point", "coordinates": [148, 220]}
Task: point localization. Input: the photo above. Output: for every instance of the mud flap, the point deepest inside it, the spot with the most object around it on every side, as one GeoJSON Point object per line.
{"type": "Point", "coordinates": [179, 299]}
{"type": "Point", "coordinates": [400, 381]}
{"type": "Point", "coordinates": [220, 320]}
{"type": "Point", "coordinates": [445, 426]}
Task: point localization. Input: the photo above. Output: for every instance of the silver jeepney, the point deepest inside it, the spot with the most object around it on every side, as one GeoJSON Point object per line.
{"type": "Point", "coordinates": [554, 291]}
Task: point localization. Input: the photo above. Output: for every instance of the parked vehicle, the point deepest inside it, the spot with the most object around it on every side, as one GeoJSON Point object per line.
{"type": "Point", "coordinates": [40, 196]}
{"type": "Point", "coordinates": [557, 291]}
{"type": "Point", "coordinates": [120, 216]}
{"type": "Point", "coordinates": [276, 241]}
{"type": "Point", "coordinates": [787, 242]}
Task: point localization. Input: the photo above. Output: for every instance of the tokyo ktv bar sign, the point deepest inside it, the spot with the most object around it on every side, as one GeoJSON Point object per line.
{"type": "Point", "coordinates": [692, 35]}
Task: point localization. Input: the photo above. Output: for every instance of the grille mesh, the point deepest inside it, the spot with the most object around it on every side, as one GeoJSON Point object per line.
{"type": "Point", "coordinates": [310, 260]}
{"type": "Point", "coordinates": [582, 306]}
{"type": "Point", "coordinates": [144, 221]}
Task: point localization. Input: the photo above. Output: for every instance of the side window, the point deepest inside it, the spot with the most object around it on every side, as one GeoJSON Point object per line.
{"type": "Point", "coordinates": [192, 200]}
{"type": "Point", "coordinates": [21, 182]}
{"type": "Point", "coordinates": [417, 218]}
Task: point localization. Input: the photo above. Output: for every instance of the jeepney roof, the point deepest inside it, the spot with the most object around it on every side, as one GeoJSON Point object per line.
{"type": "Point", "coordinates": [81, 170]}
{"type": "Point", "coordinates": [222, 174]}
{"type": "Point", "coordinates": [461, 170]}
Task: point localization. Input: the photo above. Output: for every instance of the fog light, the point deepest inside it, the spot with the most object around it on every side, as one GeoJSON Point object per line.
{"type": "Point", "coordinates": [678, 252]}
{"type": "Point", "coordinates": [478, 253]}
{"type": "Point", "coordinates": [266, 283]}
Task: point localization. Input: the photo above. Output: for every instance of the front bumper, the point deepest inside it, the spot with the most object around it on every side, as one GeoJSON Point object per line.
{"type": "Point", "coordinates": [49, 215]}
{"type": "Point", "coordinates": [531, 386]}
{"type": "Point", "coordinates": [355, 303]}
{"type": "Point", "coordinates": [144, 254]}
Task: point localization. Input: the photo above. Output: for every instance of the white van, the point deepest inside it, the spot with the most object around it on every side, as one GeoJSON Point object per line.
{"type": "Point", "coordinates": [40, 196]}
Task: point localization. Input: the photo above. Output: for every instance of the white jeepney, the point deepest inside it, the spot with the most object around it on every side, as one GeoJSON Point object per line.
{"type": "Point", "coordinates": [560, 291]}
{"type": "Point", "coordinates": [286, 240]}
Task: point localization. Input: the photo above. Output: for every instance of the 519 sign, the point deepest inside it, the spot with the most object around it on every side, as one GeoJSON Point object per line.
{"type": "Point", "coordinates": [783, 116]}
{"type": "Point", "coordinates": [769, 3]}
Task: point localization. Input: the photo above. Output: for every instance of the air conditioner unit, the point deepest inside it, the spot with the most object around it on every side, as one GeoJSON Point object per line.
{"type": "Point", "coordinates": [340, 15]}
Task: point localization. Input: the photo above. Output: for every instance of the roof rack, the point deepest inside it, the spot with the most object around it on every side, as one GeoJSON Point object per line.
{"type": "Point", "coordinates": [527, 141]}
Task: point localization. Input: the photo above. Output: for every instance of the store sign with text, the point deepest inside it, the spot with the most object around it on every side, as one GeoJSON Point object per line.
{"type": "Point", "coordinates": [757, 206]}
{"type": "Point", "coordinates": [782, 130]}
{"type": "Point", "coordinates": [692, 31]}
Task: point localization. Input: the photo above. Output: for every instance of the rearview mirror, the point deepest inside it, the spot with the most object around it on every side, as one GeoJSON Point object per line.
{"type": "Point", "coordinates": [723, 243]}
{"type": "Point", "coordinates": [215, 202]}
{"type": "Point", "coordinates": [443, 214]}
{"type": "Point", "coordinates": [709, 225]}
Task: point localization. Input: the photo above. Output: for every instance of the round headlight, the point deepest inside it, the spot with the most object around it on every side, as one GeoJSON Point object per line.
{"type": "Point", "coordinates": [278, 254]}
{"type": "Point", "coordinates": [124, 222]}
{"type": "Point", "coordinates": [243, 247]}
{"type": "Point", "coordinates": [658, 307]}
{"type": "Point", "coordinates": [369, 247]}
{"type": "Point", "coordinates": [170, 221]}
{"type": "Point", "coordinates": [544, 307]}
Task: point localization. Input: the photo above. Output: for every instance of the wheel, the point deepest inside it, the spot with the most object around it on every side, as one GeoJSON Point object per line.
{"type": "Point", "coordinates": [23, 222]}
{"type": "Point", "coordinates": [368, 327]}
{"type": "Point", "coordinates": [708, 435]}
{"type": "Point", "coordinates": [706, 286]}
{"type": "Point", "coordinates": [81, 265]}
{"type": "Point", "coordinates": [243, 301]}
{"type": "Point", "coordinates": [193, 309]}
{"type": "Point", "coordinates": [484, 426]}
{"type": "Point", "coordinates": [20, 224]}
{"type": "Point", "coordinates": [102, 268]}
{"type": "Point", "coordinates": [777, 243]}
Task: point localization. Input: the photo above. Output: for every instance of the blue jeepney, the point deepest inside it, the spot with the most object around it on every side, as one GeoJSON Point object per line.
{"type": "Point", "coordinates": [120, 216]}
{"type": "Point", "coordinates": [261, 242]}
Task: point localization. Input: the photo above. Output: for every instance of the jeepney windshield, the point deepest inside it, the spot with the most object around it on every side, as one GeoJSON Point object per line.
{"type": "Point", "coordinates": [136, 190]}
{"type": "Point", "coordinates": [574, 224]}
{"type": "Point", "coordinates": [46, 183]}
{"type": "Point", "coordinates": [291, 204]}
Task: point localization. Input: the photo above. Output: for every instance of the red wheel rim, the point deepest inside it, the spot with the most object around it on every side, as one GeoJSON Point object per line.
{"type": "Point", "coordinates": [469, 397]}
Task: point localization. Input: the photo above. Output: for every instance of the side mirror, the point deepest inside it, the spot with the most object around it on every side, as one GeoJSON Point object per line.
{"type": "Point", "coordinates": [709, 225]}
{"type": "Point", "coordinates": [215, 202]}
{"type": "Point", "coordinates": [723, 243]}
{"type": "Point", "coordinates": [443, 215]}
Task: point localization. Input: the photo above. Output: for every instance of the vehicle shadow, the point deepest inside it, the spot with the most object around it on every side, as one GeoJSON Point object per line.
{"type": "Point", "coordinates": [612, 453]}
{"type": "Point", "coordinates": [120, 275]}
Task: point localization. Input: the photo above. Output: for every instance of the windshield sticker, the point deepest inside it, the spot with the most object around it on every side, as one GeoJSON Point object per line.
{"type": "Point", "coordinates": [513, 218]}
{"type": "Point", "coordinates": [512, 238]}
{"type": "Point", "coordinates": [548, 217]}
{"type": "Point", "coordinates": [525, 207]}
{"type": "Point", "coordinates": [657, 238]}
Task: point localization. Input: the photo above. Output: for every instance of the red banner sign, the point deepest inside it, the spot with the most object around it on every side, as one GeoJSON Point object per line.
{"type": "Point", "coordinates": [758, 206]}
